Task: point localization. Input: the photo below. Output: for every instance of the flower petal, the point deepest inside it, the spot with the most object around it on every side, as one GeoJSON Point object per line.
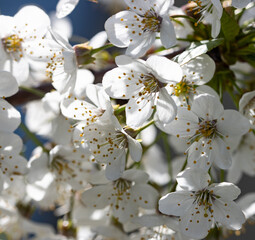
{"type": "Point", "coordinates": [135, 149]}
{"type": "Point", "coordinates": [228, 213]}
{"type": "Point", "coordinates": [65, 7]}
{"type": "Point", "coordinates": [193, 179]}
{"type": "Point", "coordinates": [226, 191]}
{"type": "Point", "coordinates": [199, 70]}
{"type": "Point", "coordinates": [176, 203]}
{"type": "Point", "coordinates": [207, 107]}
{"type": "Point", "coordinates": [233, 123]}
{"type": "Point", "coordinates": [9, 117]}
{"type": "Point", "coordinates": [164, 69]}
{"type": "Point", "coordinates": [166, 108]}
{"type": "Point", "coordinates": [167, 33]}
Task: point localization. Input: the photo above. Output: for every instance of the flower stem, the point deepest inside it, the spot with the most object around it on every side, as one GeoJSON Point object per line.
{"type": "Point", "coordinates": [184, 16]}
{"type": "Point", "coordinates": [145, 126]}
{"type": "Point", "coordinates": [120, 109]}
{"type": "Point", "coordinates": [96, 50]}
{"type": "Point", "coordinates": [33, 91]}
{"type": "Point", "coordinates": [222, 175]}
{"type": "Point", "coordinates": [32, 136]}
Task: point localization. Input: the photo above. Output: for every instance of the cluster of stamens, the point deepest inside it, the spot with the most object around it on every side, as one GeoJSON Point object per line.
{"type": "Point", "coordinates": [202, 6]}
{"type": "Point", "coordinates": [56, 60]}
{"type": "Point", "coordinates": [114, 141]}
{"type": "Point", "coordinates": [205, 198]}
{"type": "Point", "coordinates": [151, 84]}
{"type": "Point", "coordinates": [59, 165]}
{"type": "Point", "coordinates": [12, 43]}
{"type": "Point", "coordinates": [151, 21]}
{"type": "Point", "coordinates": [207, 128]}
{"type": "Point", "coordinates": [121, 186]}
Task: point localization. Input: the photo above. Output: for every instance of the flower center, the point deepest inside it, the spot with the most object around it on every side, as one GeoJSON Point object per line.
{"type": "Point", "coordinates": [151, 84]}
{"type": "Point", "coordinates": [181, 88]}
{"type": "Point", "coordinates": [205, 198]}
{"type": "Point", "coordinates": [207, 128]}
{"type": "Point", "coordinates": [121, 186]}
{"type": "Point", "coordinates": [59, 165]}
{"type": "Point", "coordinates": [12, 43]}
{"type": "Point", "coordinates": [151, 21]}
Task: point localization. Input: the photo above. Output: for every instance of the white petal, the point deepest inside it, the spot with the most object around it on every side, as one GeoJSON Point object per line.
{"type": "Point", "coordinates": [135, 149]}
{"type": "Point", "coordinates": [199, 70]}
{"type": "Point", "coordinates": [97, 197]}
{"type": "Point", "coordinates": [9, 84]}
{"type": "Point", "coordinates": [98, 96]}
{"type": "Point", "coordinates": [226, 191]}
{"type": "Point", "coordinates": [19, 69]}
{"type": "Point", "coordinates": [9, 117]}
{"type": "Point", "coordinates": [184, 125]}
{"type": "Point", "coordinates": [118, 85]}
{"type": "Point", "coordinates": [195, 223]}
{"type": "Point", "coordinates": [200, 155]}
{"type": "Point", "coordinates": [145, 195]}
{"type": "Point", "coordinates": [141, 44]}
{"type": "Point", "coordinates": [138, 176]}
{"type": "Point", "coordinates": [216, 25]}
{"type": "Point", "coordinates": [116, 29]}
{"type": "Point", "coordinates": [207, 107]}
{"type": "Point", "coordinates": [115, 168]}
{"type": "Point", "coordinates": [83, 78]}
{"type": "Point", "coordinates": [193, 179]}
{"type": "Point", "coordinates": [38, 167]}
{"type": "Point", "coordinates": [166, 107]}
{"type": "Point", "coordinates": [65, 7]}
{"type": "Point", "coordinates": [164, 69]}
{"type": "Point", "coordinates": [31, 20]}
{"type": "Point", "coordinates": [222, 156]}
{"type": "Point", "coordinates": [176, 203]}
{"type": "Point", "coordinates": [228, 213]}
{"type": "Point", "coordinates": [167, 33]}
{"type": "Point", "coordinates": [10, 143]}
{"type": "Point", "coordinates": [138, 111]}
{"type": "Point", "coordinates": [233, 123]}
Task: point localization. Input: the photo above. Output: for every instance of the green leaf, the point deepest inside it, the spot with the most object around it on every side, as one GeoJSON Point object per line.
{"type": "Point", "coordinates": [246, 39]}
{"type": "Point", "coordinates": [196, 49]}
{"type": "Point", "coordinates": [229, 26]}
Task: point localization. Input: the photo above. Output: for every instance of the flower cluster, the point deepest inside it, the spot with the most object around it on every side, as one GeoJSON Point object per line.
{"type": "Point", "coordinates": [100, 166]}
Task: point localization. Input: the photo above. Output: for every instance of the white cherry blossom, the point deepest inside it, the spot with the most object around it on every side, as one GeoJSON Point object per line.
{"type": "Point", "coordinates": [108, 143]}
{"type": "Point", "coordinates": [200, 205]}
{"type": "Point", "coordinates": [65, 163]}
{"type": "Point", "coordinates": [138, 27]}
{"type": "Point", "coordinates": [196, 73]}
{"type": "Point", "coordinates": [125, 195]}
{"type": "Point", "coordinates": [18, 35]}
{"type": "Point", "coordinates": [145, 84]}
{"type": "Point", "coordinates": [206, 126]}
